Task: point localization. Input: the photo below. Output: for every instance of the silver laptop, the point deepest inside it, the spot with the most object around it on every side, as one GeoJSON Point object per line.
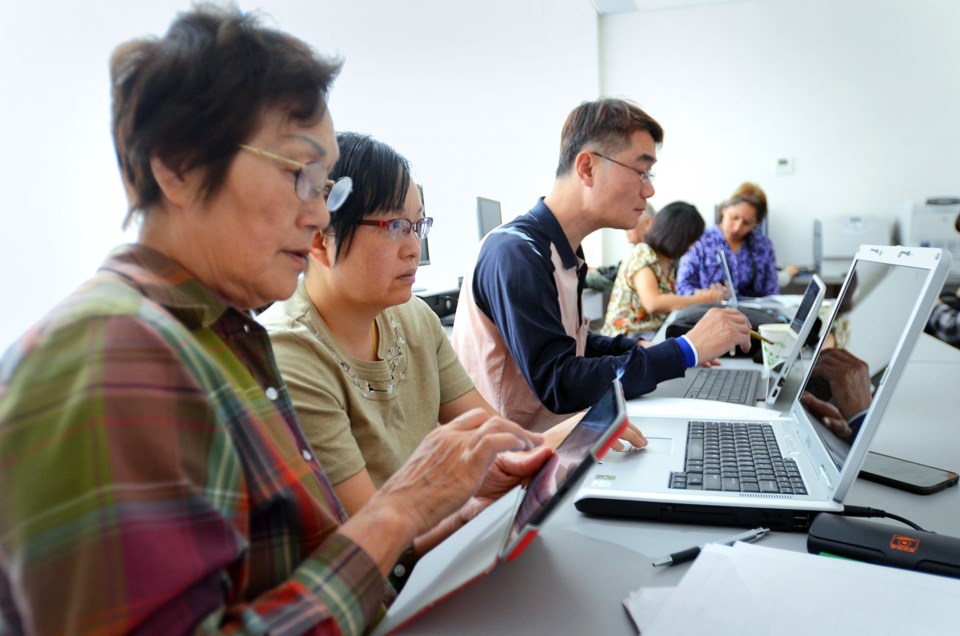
{"type": "Point", "coordinates": [883, 306]}
{"type": "Point", "coordinates": [740, 381]}
{"type": "Point", "coordinates": [504, 529]}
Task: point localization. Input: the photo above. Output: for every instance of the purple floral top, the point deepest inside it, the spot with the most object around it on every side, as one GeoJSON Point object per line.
{"type": "Point", "coordinates": [753, 268]}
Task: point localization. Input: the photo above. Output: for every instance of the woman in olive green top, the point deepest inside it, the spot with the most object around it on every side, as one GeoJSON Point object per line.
{"type": "Point", "coordinates": [368, 365]}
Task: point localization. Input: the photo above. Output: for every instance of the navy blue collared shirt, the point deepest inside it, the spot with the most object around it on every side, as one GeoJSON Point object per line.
{"type": "Point", "coordinates": [514, 286]}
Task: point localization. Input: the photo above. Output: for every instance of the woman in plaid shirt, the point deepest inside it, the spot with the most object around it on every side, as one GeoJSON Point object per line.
{"type": "Point", "coordinates": [153, 476]}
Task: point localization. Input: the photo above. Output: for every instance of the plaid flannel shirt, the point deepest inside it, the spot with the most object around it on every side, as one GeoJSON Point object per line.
{"type": "Point", "coordinates": [153, 476]}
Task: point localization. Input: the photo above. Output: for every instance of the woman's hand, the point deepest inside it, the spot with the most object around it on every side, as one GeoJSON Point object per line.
{"type": "Point", "coordinates": [714, 294]}
{"type": "Point", "coordinates": [449, 467]}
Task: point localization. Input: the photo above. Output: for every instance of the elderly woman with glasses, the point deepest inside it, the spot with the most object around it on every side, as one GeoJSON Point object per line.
{"type": "Point", "coordinates": [368, 365]}
{"type": "Point", "coordinates": [153, 475]}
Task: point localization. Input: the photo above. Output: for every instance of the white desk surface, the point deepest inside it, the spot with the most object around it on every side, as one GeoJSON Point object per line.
{"type": "Point", "coordinates": [573, 577]}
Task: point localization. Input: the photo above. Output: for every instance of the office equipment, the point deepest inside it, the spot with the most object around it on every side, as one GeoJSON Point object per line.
{"type": "Point", "coordinates": [747, 386]}
{"type": "Point", "coordinates": [885, 544]}
{"type": "Point", "coordinates": [573, 578]}
{"type": "Point", "coordinates": [488, 215]}
{"type": "Point", "coordinates": [690, 554]}
{"type": "Point", "coordinates": [934, 223]}
{"type": "Point", "coordinates": [836, 239]}
{"type": "Point", "coordinates": [505, 528]}
{"type": "Point", "coordinates": [817, 463]}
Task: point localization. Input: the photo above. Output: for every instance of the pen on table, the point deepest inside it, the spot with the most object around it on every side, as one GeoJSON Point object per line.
{"type": "Point", "coordinates": [691, 553]}
{"type": "Point", "coordinates": [756, 335]}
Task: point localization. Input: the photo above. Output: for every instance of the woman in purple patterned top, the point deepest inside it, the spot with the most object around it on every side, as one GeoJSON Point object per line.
{"type": "Point", "coordinates": [753, 264]}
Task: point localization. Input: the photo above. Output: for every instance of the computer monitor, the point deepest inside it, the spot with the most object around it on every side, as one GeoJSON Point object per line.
{"type": "Point", "coordinates": [424, 245]}
{"type": "Point", "coordinates": [488, 215]}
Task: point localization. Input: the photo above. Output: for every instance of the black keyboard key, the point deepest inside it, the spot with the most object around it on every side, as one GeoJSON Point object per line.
{"type": "Point", "coordinates": [694, 449]}
{"type": "Point", "coordinates": [768, 485]}
{"type": "Point", "coordinates": [712, 482]}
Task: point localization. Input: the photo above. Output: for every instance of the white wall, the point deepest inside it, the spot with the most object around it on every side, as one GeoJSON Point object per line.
{"type": "Point", "coordinates": [474, 95]}
{"type": "Point", "coordinates": [863, 94]}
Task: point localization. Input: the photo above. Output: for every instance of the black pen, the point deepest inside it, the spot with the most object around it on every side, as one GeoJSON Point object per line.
{"type": "Point", "coordinates": [690, 554]}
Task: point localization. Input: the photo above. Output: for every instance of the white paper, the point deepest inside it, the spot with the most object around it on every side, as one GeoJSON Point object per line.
{"type": "Point", "coordinates": [748, 589]}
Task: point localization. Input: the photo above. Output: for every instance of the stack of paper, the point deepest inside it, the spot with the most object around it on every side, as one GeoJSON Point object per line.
{"type": "Point", "coordinates": [748, 589]}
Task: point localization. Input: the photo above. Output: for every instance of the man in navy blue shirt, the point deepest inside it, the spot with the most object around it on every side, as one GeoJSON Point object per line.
{"type": "Point", "coordinates": [520, 330]}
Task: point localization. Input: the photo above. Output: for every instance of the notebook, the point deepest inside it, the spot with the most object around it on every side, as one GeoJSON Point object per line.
{"type": "Point", "coordinates": [745, 384]}
{"type": "Point", "coordinates": [505, 528]}
{"type": "Point", "coordinates": [880, 312]}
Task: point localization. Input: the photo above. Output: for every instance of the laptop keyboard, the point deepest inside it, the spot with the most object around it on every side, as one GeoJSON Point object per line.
{"type": "Point", "coordinates": [725, 385]}
{"type": "Point", "coordinates": [739, 457]}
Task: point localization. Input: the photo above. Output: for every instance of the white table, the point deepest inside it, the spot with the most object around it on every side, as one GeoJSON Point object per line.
{"type": "Point", "coordinates": [573, 577]}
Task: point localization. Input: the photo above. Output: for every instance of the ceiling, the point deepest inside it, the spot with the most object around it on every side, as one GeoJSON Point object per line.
{"type": "Point", "coordinates": [605, 7]}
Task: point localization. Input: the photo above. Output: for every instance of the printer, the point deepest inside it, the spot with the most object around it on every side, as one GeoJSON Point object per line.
{"type": "Point", "coordinates": [837, 238]}
{"type": "Point", "coordinates": [934, 223]}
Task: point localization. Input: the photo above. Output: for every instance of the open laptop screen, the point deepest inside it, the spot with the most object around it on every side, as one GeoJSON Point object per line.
{"type": "Point", "coordinates": [873, 312]}
{"type": "Point", "coordinates": [727, 278]}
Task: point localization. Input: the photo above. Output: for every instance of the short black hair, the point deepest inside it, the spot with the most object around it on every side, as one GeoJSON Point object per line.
{"type": "Point", "coordinates": [190, 97]}
{"type": "Point", "coordinates": [381, 180]}
{"type": "Point", "coordinates": [675, 227]}
{"type": "Point", "coordinates": [605, 124]}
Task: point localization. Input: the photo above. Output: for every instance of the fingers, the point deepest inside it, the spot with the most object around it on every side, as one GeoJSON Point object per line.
{"type": "Point", "coordinates": [524, 464]}
{"type": "Point", "coordinates": [828, 414]}
{"type": "Point", "coordinates": [449, 466]}
{"type": "Point", "coordinates": [497, 428]}
{"type": "Point", "coordinates": [633, 435]}
{"type": "Point", "coordinates": [720, 331]}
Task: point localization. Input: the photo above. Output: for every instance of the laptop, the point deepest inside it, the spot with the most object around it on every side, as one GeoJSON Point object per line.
{"type": "Point", "coordinates": [741, 382]}
{"type": "Point", "coordinates": [503, 530]}
{"type": "Point", "coordinates": [885, 300]}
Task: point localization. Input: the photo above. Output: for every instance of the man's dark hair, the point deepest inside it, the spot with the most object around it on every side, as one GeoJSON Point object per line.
{"type": "Point", "coordinates": [190, 97]}
{"type": "Point", "coordinates": [381, 180]}
{"type": "Point", "coordinates": [604, 125]}
{"type": "Point", "coordinates": [675, 227]}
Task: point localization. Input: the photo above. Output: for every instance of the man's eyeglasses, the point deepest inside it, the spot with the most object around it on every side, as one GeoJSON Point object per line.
{"type": "Point", "coordinates": [400, 228]}
{"type": "Point", "coordinates": [645, 176]}
{"type": "Point", "coordinates": [312, 180]}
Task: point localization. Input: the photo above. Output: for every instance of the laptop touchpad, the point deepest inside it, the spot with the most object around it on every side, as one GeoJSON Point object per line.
{"type": "Point", "coordinates": [659, 445]}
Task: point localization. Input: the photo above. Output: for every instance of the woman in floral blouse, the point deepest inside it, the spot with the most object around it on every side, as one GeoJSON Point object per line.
{"type": "Point", "coordinates": [644, 292]}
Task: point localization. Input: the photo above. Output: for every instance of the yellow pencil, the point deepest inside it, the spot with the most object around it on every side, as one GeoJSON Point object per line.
{"type": "Point", "coordinates": [760, 338]}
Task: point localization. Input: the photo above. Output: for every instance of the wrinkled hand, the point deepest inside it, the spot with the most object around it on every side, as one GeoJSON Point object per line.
{"type": "Point", "coordinates": [508, 470]}
{"type": "Point", "coordinates": [451, 464]}
{"type": "Point", "coordinates": [849, 379]}
{"type": "Point", "coordinates": [719, 332]}
{"type": "Point", "coordinates": [828, 414]}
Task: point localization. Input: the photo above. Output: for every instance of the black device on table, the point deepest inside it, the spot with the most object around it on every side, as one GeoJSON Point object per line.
{"type": "Point", "coordinates": [906, 475]}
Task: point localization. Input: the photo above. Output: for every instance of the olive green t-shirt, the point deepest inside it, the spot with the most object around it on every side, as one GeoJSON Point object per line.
{"type": "Point", "coordinates": [356, 413]}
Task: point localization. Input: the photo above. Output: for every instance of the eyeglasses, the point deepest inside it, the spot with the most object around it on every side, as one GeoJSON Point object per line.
{"type": "Point", "coordinates": [645, 175]}
{"type": "Point", "coordinates": [312, 180]}
{"type": "Point", "coordinates": [400, 228]}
